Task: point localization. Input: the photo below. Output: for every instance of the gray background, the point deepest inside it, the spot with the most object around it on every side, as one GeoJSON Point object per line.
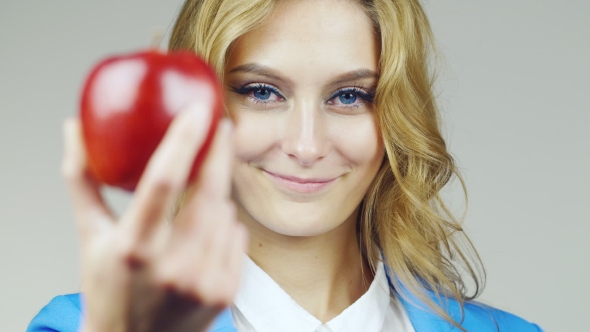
{"type": "Point", "coordinates": [514, 95]}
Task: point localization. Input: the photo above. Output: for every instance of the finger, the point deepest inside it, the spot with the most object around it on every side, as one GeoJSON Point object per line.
{"type": "Point", "coordinates": [235, 259]}
{"type": "Point", "coordinates": [213, 183]}
{"type": "Point", "coordinates": [211, 280]}
{"type": "Point", "coordinates": [167, 172]}
{"type": "Point", "coordinates": [90, 210]}
{"type": "Point", "coordinates": [232, 235]}
{"type": "Point", "coordinates": [230, 263]}
{"type": "Point", "coordinates": [210, 272]}
{"type": "Point", "coordinates": [196, 225]}
{"type": "Point", "coordinates": [215, 176]}
{"type": "Point", "coordinates": [196, 246]}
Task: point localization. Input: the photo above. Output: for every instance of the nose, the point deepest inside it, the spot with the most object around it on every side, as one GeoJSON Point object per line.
{"type": "Point", "coordinates": [305, 136]}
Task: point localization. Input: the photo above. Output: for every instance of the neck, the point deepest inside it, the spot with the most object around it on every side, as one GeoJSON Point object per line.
{"type": "Point", "coordinates": [324, 274]}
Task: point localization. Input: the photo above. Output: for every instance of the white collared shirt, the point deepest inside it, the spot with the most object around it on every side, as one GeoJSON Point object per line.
{"type": "Point", "coordinates": [263, 306]}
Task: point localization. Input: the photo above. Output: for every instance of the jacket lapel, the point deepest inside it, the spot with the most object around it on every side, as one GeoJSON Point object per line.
{"type": "Point", "coordinates": [224, 322]}
{"type": "Point", "coordinates": [422, 319]}
{"type": "Point", "coordinates": [420, 316]}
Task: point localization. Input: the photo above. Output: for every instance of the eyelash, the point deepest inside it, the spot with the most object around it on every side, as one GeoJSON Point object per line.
{"type": "Point", "coordinates": [248, 88]}
{"type": "Point", "coordinates": [356, 90]}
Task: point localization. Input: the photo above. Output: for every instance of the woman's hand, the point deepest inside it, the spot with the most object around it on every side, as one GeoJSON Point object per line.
{"type": "Point", "coordinates": [142, 271]}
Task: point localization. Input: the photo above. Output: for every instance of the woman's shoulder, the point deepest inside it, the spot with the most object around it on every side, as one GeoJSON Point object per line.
{"type": "Point", "coordinates": [474, 316]}
{"type": "Point", "coordinates": [64, 314]}
{"type": "Point", "coordinates": [503, 320]}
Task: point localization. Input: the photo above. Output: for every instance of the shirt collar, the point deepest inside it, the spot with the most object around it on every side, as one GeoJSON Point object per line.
{"type": "Point", "coordinates": [267, 307]}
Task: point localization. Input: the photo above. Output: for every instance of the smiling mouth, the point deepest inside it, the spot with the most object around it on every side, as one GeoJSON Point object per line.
{"type": "Point", "coordinates": [300, 185]}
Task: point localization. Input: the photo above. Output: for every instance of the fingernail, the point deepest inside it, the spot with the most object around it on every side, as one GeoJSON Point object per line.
{"type": "Point", "coordinates": [199, 113]}
{"type": "Point", "coordinates": [227, 126]}
{"type": "Point", "coordinates": [69, 161]}
{"type": "Point", "coordinates": [68, 133]}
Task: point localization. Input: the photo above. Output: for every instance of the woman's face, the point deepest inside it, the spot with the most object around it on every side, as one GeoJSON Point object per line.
{"type": "Point", "coordinates": [300, 90]}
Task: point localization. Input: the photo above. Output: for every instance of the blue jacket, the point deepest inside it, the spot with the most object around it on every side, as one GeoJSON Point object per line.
{"type": "Point", "coordinates": [64, 313]}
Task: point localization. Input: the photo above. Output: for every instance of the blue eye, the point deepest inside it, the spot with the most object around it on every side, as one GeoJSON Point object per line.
{"type": "Point", "coordinates": [259, 93]}
{"type": "Point", "coordinates": [262, 94]}
{"type": "Point", "coordinates": [351, 97]}
{"type": "Point", "coordinates": [347, 98]}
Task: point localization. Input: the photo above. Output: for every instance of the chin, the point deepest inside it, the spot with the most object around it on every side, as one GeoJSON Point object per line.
{"type": "Point", "coordinates": [299, 223]}
{"type": "Point", "coordinates": [291, 218]}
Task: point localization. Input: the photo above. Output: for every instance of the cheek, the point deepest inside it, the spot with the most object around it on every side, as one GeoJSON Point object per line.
{"type": "Point", "coordinates": [358, 140]}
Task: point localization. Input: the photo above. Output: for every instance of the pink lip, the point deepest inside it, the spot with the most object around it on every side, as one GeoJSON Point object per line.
{"type": "Point", "coordinates": [300, 185]}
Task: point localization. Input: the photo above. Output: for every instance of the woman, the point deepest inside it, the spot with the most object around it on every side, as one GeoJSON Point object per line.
{"type": "Point", "coordinates": [338, 166]}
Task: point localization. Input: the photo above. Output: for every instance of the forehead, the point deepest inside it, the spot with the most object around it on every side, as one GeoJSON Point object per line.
{"type": "Point", "coordinates": [302, 36]}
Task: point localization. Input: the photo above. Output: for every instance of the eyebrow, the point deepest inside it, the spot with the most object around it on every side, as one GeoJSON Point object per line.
{"type": "Point", "coordinates": [355, 75]}
{"type": "Point", "coordinates": [259, 69]}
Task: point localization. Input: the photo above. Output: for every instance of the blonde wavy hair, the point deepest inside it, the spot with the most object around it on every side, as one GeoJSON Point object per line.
{"type": "Point", "coordinates": [403, 215]}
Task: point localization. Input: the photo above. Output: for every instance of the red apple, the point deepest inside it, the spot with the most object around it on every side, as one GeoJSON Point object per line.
{"type": "Point", "coordinates": [129, 101]}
